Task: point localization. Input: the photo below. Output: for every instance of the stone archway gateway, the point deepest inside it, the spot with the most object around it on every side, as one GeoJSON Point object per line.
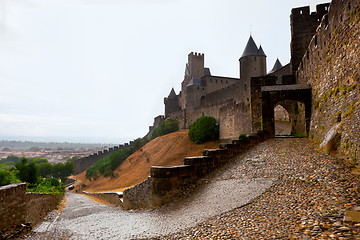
{"type": "Point", "coordinates": [272, 95]}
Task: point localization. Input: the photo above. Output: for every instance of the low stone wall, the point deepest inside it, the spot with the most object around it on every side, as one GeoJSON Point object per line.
{"type": "Point", "coordinates": [39, 205]}
{"type": "Point", "coordinates": [111, 197]}
{"type": "Point", "coordinates": [168, 183]}
{"type": "Point", "coordinates": [18, 207]}
{"type": "Point", "coordinates": [12, 205]}
{"type": "Point", "coordinates": [139, 196]}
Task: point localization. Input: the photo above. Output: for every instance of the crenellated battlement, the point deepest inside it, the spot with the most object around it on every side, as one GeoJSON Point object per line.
{"type": "Point", "coordinates": [195, 54]}
{"type": "Point", "coordinates": [303, 27]}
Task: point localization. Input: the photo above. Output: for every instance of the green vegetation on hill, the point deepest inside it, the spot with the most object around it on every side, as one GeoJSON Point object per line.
{"type": "Point", "coordinates": [168, 126]}
{"type": "Point", "coordinates": [10, 160]}
{"type": "Point", "coordinates": [204, 129]}
{"type": "Point", "coordinates": [107, 165]}
{"type": "Point", "coordinates": [38, 173]}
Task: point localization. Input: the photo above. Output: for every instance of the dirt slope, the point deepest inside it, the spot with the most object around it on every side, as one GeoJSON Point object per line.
{"type": "Point", "coordinates": [167, 150]}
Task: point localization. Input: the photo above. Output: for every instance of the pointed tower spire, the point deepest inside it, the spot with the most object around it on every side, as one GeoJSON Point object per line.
{"type": "Point", "coordinates": [251, 49]}
{"type": "Point", "coordinates": [277, 66]}
{"type": "Point", "coordinates": [261, 51]}
{"type": "Point", "coordinates": [172, 93]}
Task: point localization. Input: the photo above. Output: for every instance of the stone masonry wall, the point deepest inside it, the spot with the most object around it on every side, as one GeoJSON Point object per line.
{"type": "Point", "coordinates": [84, 163]}
{"type": "Point", "coordinates": [18, 207]}
{"type": "Point", "coordinates": [39, 205]}
{"type": "Point", "coordinates": [12, 205]}
{"type": "Point", "coordinates": [331, 65]}
{"type": "Point", "coordinates": [169, 183]}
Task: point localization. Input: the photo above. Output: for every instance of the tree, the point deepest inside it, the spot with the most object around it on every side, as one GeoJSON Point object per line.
{"type": "Point", "coordinates": [7, 175]}
{"type": "Point", "coordinates": [45, 169]}
{"type": "Point", "coordinates": [27, 172]}
{"type": "Point", "coordinates": [204, 129]}
{"type": "Point", "coordinates": [168, 126]}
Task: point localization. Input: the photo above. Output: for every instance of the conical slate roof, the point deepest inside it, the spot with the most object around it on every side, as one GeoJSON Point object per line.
{"type": "Point", "coordinates": [250, 49]}
{"type": "Point", "coordinates": [172, 93]}
{"type": "Point", "coordinates": [276, 67]}
{"type": "Point", "coordinates": [261, 51]}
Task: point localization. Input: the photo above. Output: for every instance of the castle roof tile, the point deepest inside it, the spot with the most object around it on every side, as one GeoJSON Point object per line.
{"type": "Point", "coordinates": [276, 67]}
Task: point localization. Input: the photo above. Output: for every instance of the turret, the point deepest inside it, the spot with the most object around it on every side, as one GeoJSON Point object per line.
{"type": "Point", "coordinates": [276, 67]}
{"type": "Point", "coordinates": [171, 103]}
{"type": "Point", "coordinates": [252, 63]}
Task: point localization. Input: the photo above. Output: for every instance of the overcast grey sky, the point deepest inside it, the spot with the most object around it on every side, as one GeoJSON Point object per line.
{"type": "Point", "coordinates": [98, 70]}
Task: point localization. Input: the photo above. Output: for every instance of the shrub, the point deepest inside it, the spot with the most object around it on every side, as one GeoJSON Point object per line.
{"type": "Point", "coordinates": [168, 126]}
{"type": "Point", "coordinates": [204, 129]}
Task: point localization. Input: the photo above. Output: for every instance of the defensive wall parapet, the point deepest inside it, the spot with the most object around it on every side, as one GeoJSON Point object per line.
{"type": "Point", "coordinates": [331, 66]}
{"type": "Point", "coordinates": [19, 210]}
{"type": "Point", "coordinates": [84, 163]}
{"type": "Point", "coordinates": [166, 184]}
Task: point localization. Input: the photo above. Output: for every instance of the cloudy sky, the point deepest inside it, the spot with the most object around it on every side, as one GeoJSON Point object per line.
{"type": "Point", "coordinates": [98, 70]}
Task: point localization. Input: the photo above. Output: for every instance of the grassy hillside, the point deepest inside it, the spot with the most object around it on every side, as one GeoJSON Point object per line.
{"type": "Point", "coordinates": [166, 150]}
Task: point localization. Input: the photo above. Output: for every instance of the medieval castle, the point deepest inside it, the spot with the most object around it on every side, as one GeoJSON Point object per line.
{"type": "Point", "coordinates": [318, 89]}
{"type": "Point", "coordinates": [324, 58]}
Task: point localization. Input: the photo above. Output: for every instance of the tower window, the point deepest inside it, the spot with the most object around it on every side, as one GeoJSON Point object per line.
{"type": "Point", "coordinates": [255, 59]}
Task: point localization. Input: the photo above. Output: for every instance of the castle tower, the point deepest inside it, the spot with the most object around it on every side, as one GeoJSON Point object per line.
{"type": "Point", "coordinates": [194, 70]}
{"type": "Point", "coordinates": [252, 63]}
{"type": "Point", "coordinates": [171, 103]}
{"type": "Point", "coordinates": [303, 27]}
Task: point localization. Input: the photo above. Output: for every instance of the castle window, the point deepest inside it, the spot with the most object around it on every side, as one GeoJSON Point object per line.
{"type": "Point", "coordinates": [221, 81]}
{"type": "Point", "coordinates": [326, 8]}
{"type": "Point", "coordinates": [300, 11]}
{"type": "Point", "coordinates": [216, 80]}
{"type": "Point", "coordinates": [226, 81]}
{"type": "Point", "coordinates": [349, 6]}
{"type": "Point", "coordinates": [255, 59]}
{"type": "Point", "coordinates": [307, 54]}
{"type": "Point", "coordinates": [341, 18]}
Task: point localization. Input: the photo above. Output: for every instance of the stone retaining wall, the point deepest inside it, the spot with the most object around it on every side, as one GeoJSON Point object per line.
{"type": "Point", "coordinates": [168, 183]}
{"type": "Point", "coordinates": [18, 207]}
{"type": "Point", "coordinates": [111, 197]}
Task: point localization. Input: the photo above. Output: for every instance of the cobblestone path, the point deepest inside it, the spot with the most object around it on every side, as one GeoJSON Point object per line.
{"type": "Point", "coordinates": [281, 189]}
{"type": "Point", "coordinates": [308, 201]}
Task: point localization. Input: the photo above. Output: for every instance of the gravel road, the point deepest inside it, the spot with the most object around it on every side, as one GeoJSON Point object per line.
{"type": "Point", "coordinates": [83, 218]}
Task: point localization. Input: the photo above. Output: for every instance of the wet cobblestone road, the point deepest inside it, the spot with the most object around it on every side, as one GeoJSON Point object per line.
{"type": "Point", "coordinates": [281, 189]}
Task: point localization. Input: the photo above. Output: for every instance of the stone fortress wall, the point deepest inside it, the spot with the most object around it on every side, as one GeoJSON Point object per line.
{"type": "Point", "coordinates": [84, 163]}
{"type": "Point", "coordinates": [331, 66]}
{"type": "Point", "coordinates": [19, 207]}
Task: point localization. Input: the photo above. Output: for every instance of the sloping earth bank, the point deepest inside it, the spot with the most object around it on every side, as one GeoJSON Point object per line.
{"type": "Point", "coordinates": [167, 150]}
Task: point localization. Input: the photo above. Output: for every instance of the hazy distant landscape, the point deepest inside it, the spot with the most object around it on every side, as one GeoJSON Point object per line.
{"type": "Point", "coordinates": [53, 151]}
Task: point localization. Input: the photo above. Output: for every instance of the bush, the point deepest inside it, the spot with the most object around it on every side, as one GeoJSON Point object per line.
{"type": "Point", "coordinates": [204, 129]}
{"type": "Point", "coordinates": [49, 185]}
{"type": "Point", "coordinates": [168, 126]}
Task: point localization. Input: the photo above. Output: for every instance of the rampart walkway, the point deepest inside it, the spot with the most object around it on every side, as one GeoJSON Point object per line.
{"type": "Point", "coordinates": [308, 194]}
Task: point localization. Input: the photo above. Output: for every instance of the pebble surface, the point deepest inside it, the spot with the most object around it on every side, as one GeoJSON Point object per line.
{"type": "Point", "coordinates": [294, 192]}
{"type": "Point", "coordinates": [308, 201]}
